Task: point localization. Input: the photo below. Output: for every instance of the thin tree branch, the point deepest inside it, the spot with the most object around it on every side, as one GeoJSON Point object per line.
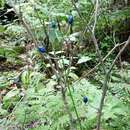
{"type": "Point", "coordinates": [96, 14]}
{"type": "Point", "coordinates": [105, 86]}
{"type": "Point", "coordinates": [109, 53]}
{"type": "Point", "coordinates": [92, 32]}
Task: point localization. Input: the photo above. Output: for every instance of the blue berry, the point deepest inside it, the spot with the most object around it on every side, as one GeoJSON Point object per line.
{"type": "Point", "coordinates": [41, 49]}
{"type": "Point", "coordinates": [53, 24]}
{"type": "Point", "coordinates": [70, 19]}
{"type": "Point", "coordinates": [85, 99]}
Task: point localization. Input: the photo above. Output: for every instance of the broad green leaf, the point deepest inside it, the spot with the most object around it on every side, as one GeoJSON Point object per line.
{"type": "Point", "coordinates": [84, 59]}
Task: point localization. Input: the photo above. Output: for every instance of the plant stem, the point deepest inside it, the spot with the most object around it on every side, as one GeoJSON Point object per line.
{"type": "Point", "coordinates": [75, 109]}
{"type": "Point", "coordinates": [67, 108]}
{"type": "Point", "coordinates": [68, 86]}
{"type": "Point", "coordinates": [105, 86]}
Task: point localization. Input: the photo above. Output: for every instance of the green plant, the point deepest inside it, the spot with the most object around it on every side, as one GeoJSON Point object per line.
{"type": "Point", "coordinates": [53, 95]}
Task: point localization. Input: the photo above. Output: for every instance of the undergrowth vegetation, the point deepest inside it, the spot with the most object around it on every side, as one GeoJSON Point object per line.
{"type": "Point", "coordinates": [64, 65]}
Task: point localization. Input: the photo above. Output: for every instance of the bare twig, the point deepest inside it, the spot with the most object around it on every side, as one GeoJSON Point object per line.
{"type": "Point", "coordinates": [96, 14]}
{"type": "Point", "coordinates": [109, 53]}
{"type": "Point", "coordinates": [105, 86]}
{"type": "Point", "coordinates": [29, 31]}
{"type": "Point", "coordinates": [92, 32]}
{"type": "Point", "coordinates": [46, 40]}
{"type": "Point", "coordinates": [26, 25]}
{"type": "Point", "coordinates": [107, 74]}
